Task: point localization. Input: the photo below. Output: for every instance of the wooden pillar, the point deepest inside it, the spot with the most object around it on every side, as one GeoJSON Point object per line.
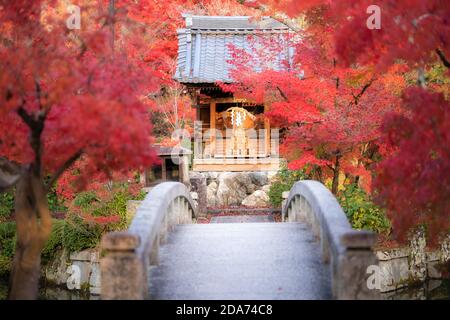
{"type": "Point", "coordinates": [267, 132]}
{"type": "Point", "coordinates": [213, 127]}
{"type": "Point", "coordinates": [198, 141]}
{"type": "Point", "coordinates": [163, 169]}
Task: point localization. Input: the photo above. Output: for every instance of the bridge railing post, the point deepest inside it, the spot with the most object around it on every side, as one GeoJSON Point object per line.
{"type": "Point", "coordinates": [284, 196]}
{"type": "Point", "coordinates": [350, 280]}
{"type": "Point", "coordinates": [122, 269]}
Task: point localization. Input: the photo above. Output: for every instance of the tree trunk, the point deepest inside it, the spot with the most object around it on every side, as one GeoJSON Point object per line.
{"type": "Point", "coordinates": [335, 184]}
{"type": "Point", "coordinates": [33, 221]}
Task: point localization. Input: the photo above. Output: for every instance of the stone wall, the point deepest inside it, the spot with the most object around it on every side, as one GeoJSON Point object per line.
{"type": "Point", "coordinates": [402, 266]}
{"type": "Point", "coordinates": [77, 271]}
{"type": "Point", "coordinates": [224, 189]}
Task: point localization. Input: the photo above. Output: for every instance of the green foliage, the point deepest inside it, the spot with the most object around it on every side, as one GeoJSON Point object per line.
{"type": "Point", "coordinates": [437, 74]}
{"type": "Point", "coordinates": [7, 239]}
{"type": "Point", "coordinates": [55, 241]}
{"type": "Point", "coordinates": [6, 204]}
{"type": "Point", "coordinates": [7, 246]}
{"type": "Point", "coordinates": [54, 203]}
{"type": "Point", "coordinates": [283, 181]}
{"type": "Point", "coordinates": [78, 235]}
{"type": "Point", "coordinates": [115, 205]}
{"type": "Point", "coordinates": [5, 266]}
{"type": "Point", "coordinates": [84, 200]}
{"type": "Point", "coordinates": [362, 213]}
{"type": "Point", "coordinates": [72, 234]}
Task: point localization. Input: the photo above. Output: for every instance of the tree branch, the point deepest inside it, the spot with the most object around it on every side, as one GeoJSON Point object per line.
{"type": "Point", "coordinates": [36, 127]}
{"type": "Point", "coordinates": [26, 117]}
{"type": "Point", "coordinates": [363, 90]}
{"type": "Point", "coordinates": [282, 94]}
{"type": "Point", "coordinates": [63, 168]}
{"type": "Point", "coordinates": [38, 93]}
{"type": "Point", "coordinates": [443, 58]}
{"type": "Point", "coordinates": [299, 124]}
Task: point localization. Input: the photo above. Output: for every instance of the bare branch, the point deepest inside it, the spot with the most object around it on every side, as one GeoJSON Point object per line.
{"type": "Point", "coordinates": [443, 58]}
{"type": "Point", "coordinates": [282, 94]}
{"type": "Point", "coordinates": [26, 117]}
{"type": "Point", "coordinates": [63, 168]}
{"type": "Point", "coordinates": [38, 93]}
{"type": "Point", "coordinates": [363, 90]}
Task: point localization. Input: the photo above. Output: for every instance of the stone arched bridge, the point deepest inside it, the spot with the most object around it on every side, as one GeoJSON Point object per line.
{"type": "Point", "coordinates": [313, 254]}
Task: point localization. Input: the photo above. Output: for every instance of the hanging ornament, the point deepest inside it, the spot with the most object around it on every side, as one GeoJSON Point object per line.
{"type": "Point", "coordinates": [238, 118]}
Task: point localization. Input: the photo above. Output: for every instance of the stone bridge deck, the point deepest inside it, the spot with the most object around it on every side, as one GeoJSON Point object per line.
{"type": "Point", "coordinates": [240, 261]}
{"type": "Point", "coordinates": [315, 255]}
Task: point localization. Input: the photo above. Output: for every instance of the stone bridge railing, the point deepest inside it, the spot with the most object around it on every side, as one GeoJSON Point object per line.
{"type": "Point", "coordinates": [347, 251]}
{"type": "Point", "coordinates": [127, 255]}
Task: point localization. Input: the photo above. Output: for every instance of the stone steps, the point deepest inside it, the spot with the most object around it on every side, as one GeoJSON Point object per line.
{"type": "Point", "coordinates": [240, 261]}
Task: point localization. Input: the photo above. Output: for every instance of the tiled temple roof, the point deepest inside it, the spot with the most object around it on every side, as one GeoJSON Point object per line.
{"type": "Point", "coordinates": [203, 53]}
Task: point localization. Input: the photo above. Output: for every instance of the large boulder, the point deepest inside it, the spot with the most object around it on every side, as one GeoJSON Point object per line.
{"type": "Point", "coordinates": [259, 179]}
{"type": "Point", "coordinates": [211, 176]}
{"type": "Point", "coordinates": [198, 185]}
{"type": "Point", "coordinates": [257, 199]}
{"type": "Point", "coordinates": [266, 188]}
{"type": "Point", "coordinates": [233, 188]}
{"type": "Point", "coordinates": [194, 196]}
{"type": "Point", "coordinates": [213, 186]}
{"type": "Point", "coordinates": [211, 194]}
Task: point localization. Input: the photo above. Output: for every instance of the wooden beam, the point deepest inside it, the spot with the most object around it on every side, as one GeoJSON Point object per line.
{"type": "Point", "coordinates": [267, 132]}
{"type": "Point", "coordinates": [231, 100]}
{"type": "Point", "coordinates": [197, 105]}
{"type": "Point", "coordinates": [212, 120]}
{"type": "Point", "coordinates": [221, 165]}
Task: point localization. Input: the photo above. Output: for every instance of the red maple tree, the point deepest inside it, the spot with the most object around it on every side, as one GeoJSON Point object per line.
{"type": "Point", "coordinates": [412, 180]}
{"type": "Point", "coordinates": [64, 95]}
{"type": "Point", "coordinates": [331, 113]}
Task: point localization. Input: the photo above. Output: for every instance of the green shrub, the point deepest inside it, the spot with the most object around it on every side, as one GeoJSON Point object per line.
{"type": "Point", "coordinates": [283, 181]}
{"type": "Point", "coordinates": [7, 246]}
{"type": "Point", "coordinates": [72, 234]}
{"type": "Point", "coordinates": [116, 206]}
{"type": "Point", "coordinates": [5, 266]}
{"type": "Point", "coordinates": [84, 200]}
{"type": "Point", "coordinates": [55, 241]}
{"type": "Point", "coordinates": [54, 203]}
{"type": "Point", "coordinates": [78, 235]}
{"type": "Point", "coordinates": [6, 204]}
{"type": "Point", "coordinates": [362, 213]}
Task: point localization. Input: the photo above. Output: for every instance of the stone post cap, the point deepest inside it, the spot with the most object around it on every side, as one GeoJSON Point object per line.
{"type": "Point", "coordinates": [358, 239]}
{"type": "Point", "coordinates": [285, 194]}
{"type": "Point", "coordinates": [120, 241]}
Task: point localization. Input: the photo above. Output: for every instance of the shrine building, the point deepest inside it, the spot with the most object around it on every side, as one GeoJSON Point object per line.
{"type": "Point", "coordinates": [230, 134]}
